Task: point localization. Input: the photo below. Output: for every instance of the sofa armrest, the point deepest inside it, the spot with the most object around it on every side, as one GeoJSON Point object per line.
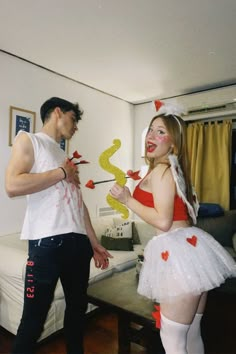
{"type": "Point", "coordinates": [234, 241]}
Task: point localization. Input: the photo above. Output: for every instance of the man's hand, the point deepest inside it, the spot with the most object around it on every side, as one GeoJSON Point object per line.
{"type": "Point", "coordinates": [101, 256]}
{"type": "Point", "coordinates": [72, 172]}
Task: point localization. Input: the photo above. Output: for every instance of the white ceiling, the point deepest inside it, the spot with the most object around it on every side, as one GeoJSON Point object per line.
{"type": "Point", "coordinates": [136, 50]}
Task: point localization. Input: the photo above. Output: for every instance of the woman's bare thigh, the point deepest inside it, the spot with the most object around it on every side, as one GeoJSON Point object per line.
{"type": "Point", "coordinates": [184, 310]}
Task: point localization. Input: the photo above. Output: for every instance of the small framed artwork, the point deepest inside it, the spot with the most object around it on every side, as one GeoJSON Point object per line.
{"type": "Point", "coordinates": [64, 144]}
{"type": "Point", "coordinates": [20, 119]}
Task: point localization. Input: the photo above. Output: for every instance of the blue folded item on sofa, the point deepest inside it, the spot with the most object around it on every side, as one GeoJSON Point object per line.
{"type": "Point", "coordinates": [210, 209]}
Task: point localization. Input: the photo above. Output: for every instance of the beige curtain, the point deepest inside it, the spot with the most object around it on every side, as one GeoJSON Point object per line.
{"type": "Point", "coordinates": [209, 149]}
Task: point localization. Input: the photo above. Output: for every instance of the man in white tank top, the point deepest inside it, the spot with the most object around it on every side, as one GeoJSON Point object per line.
{"type": "Point", "coordinates": [57, 225]}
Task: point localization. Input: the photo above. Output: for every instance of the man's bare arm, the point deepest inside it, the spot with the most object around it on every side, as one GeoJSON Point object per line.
{"type": "Point", "coordinates": [19, 180]}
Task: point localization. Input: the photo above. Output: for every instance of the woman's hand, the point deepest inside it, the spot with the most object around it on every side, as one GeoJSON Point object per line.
{"type": "Point", "coordinates": [120, 193]}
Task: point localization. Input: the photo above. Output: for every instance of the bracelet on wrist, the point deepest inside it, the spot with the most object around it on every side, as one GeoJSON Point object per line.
{"type": "Point", "coordinates": [65, 174]}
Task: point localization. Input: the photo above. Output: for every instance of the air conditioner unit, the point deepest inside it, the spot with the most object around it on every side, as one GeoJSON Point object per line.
{"type": "Point", "coordinates": [214, 111]}
{"type": "Point", "coordinates": [106, 211]}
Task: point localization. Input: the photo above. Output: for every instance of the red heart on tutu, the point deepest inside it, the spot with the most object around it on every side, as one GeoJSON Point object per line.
{"type": "Point", "coordinates": [192, 240]}
{"type": "Point", "coordinates": [165, 255]}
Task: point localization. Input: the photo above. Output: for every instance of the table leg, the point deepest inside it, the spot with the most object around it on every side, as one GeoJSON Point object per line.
{"type": "Point", "coordinates": [123, 334]}
{"type": "Point", "coordinates": [154, 345]}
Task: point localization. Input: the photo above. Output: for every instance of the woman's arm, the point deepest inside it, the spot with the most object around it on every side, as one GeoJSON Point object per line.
{"type": "Point", "coordinates": [162, 187]}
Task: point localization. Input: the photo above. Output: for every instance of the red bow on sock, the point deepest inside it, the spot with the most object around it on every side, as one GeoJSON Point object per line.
{"type": "Point", "coordinates": [157, 316]}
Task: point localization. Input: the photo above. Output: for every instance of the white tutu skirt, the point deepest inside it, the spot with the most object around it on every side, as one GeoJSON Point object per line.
{"type": "Point", "coordinates": [185, 261]}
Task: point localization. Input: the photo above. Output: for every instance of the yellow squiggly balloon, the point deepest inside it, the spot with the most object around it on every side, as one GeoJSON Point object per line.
{"type": "Point", "coordinates": [119, 176]}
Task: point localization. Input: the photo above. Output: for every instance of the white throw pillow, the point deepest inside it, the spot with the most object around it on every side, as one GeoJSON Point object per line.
{"type": "Point", "coordinates": [121, 230]}
{"type": "Point", "coordinates": [110, 232]}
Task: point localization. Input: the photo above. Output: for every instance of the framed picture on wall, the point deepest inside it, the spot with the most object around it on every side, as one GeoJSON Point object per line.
{"type": "Point", "coordinates": [64, 144]}
{"type": "Point", "coordinates": [20, 119]}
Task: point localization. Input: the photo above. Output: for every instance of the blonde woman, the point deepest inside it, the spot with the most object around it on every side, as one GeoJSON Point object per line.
{"type": "Point", "coordinates": [181, 262]}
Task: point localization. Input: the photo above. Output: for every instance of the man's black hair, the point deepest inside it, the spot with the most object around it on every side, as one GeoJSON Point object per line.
{"type": "Point", "coordinates": [66, 106]}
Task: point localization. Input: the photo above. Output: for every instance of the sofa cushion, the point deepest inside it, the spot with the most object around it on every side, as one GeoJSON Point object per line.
{"type": "Point", "coordinates": [98, 273]}
{"type": "Point", "coordinates": [221, 228]}
{"type": "Point", "coordinates": [122, 260]}
{"type": "Point", "coordinates": [14, 241]}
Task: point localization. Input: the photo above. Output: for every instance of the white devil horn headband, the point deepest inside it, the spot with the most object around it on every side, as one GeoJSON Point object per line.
{"type": "Point", "coordinates": [167, 109]}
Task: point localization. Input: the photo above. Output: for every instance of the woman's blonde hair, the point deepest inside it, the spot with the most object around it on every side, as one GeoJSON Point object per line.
{"type": "Point", "coordinates": [176, 128]}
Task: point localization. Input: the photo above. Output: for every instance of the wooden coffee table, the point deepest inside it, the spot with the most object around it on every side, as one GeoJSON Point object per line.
{"type": "Point", "coordinates": [135, 321]}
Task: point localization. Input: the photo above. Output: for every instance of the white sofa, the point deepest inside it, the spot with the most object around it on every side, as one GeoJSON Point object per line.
{"type": "Point", "coordinates": [13, 255]}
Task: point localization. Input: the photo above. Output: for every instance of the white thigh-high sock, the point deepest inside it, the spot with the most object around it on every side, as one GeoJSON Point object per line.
{"type": "Point", "coordinates": [173, 336]}
{"type": "Point", "coordinates": [194, 339]}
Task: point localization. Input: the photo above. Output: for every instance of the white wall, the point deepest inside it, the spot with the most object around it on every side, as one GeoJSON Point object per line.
{"type": "Point", "coordinates": [105, 118]}
{"type": "Point", "coordinates": [143, 113]}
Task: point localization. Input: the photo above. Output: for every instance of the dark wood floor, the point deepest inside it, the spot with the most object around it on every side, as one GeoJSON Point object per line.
{"type": "Point", "coordinates": [100, 338]}
{"type": "Point", "coordinates": [218, 329]}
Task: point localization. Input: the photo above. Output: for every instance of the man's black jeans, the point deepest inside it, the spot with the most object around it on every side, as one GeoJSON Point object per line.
{"type": "Point", "coordinates": [65, 257]}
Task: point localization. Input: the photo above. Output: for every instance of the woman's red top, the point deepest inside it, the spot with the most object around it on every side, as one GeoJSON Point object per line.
{"type": "Point", "coordinates": [146, 198]}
